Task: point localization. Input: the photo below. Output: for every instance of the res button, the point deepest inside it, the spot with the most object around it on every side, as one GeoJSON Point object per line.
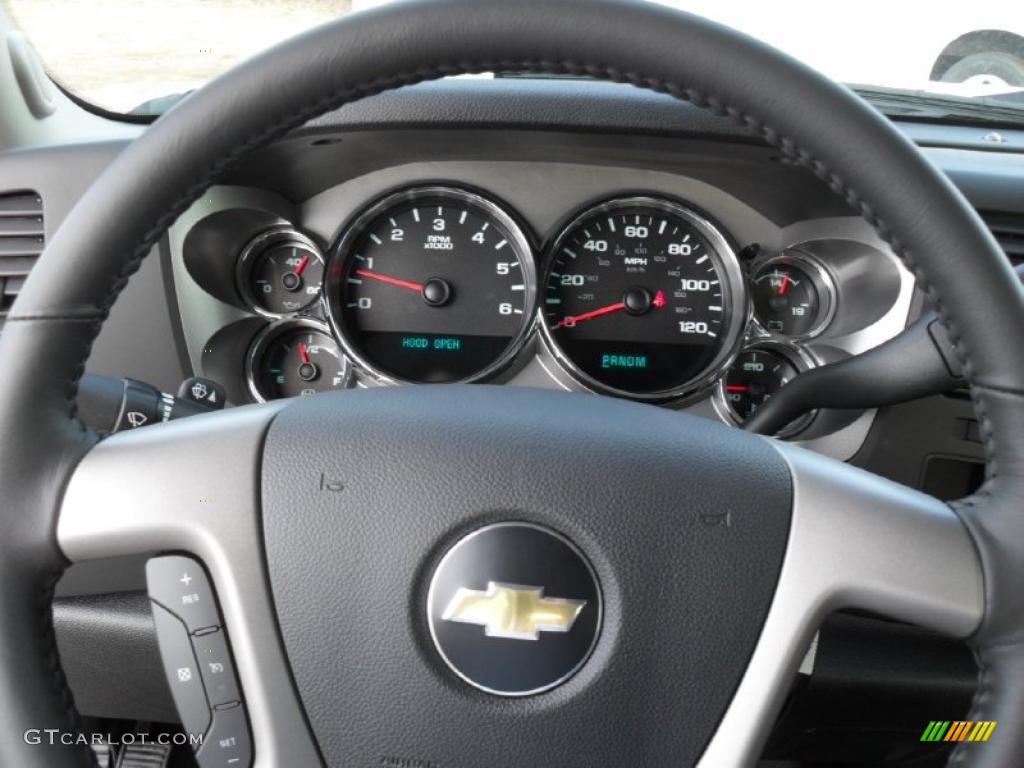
{"type": "Point", "coordinates": [180, 585]}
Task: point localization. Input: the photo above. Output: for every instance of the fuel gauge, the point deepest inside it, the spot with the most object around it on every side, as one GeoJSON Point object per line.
{"type": "Point", "coordinates": [295, 358]}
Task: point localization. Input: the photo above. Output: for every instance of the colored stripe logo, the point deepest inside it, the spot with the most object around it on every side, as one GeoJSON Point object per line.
{"type": "Point", "coordinates": [958, 730]}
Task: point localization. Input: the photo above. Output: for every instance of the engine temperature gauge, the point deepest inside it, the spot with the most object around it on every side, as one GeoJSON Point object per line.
{"type": "Point", "coordinates": [793, 296]}
{"type": "Point", "coordinates": [758, 373]}
{"type": "Point", "coordinates": [295, 358]}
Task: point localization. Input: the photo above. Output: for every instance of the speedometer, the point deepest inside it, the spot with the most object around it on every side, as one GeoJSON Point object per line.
{"type": "Point", "coordinates": [643, 298]}
{"type": "Point", "coordinates": [432, 284]}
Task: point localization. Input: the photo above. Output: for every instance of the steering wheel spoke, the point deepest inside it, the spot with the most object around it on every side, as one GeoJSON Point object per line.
{"type": "Point", "coordinates": [192, 486]}
{"type": "Point", "coordinates": [856, 541]}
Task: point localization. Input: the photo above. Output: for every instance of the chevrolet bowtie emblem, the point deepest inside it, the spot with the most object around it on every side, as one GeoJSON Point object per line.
{"type": "Point", "coordinates": [513, 611]}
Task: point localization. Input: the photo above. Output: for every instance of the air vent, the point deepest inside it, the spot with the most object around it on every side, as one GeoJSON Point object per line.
{"type": "Point", "coordinates": [1008, 229]}
{"type": "Point", "coordinates": [21, 242]}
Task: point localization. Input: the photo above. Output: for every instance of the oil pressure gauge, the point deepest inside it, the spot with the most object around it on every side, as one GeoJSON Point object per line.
{"type": "Point", "coordinates": [280, 272]}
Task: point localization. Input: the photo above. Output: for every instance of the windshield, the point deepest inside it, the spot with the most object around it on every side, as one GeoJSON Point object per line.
{"type": "Point", "coordinates": [141, 55]}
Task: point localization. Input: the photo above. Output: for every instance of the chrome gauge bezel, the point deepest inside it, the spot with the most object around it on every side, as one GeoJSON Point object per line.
{"type": "Point", "coordinates": [824, 284]}
{"type": "Point", "coordinates": [799, 357]}
{"type": "Point", "coordinates": [353, 229]}
{"type": "Point", "coordinates": [257, 247]}
{"type": "Point", "coordinates": [735, 301]}
{"type": "Point", "coordinates": [260, 342]}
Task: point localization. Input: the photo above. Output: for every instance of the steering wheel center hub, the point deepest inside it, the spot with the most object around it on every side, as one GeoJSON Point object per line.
{"type": "Point", "coordinates": [462, 573]}
{"type": "Point", "coordinates": [514, 609]}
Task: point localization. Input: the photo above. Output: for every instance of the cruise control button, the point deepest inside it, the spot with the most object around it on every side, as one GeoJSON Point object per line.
{"type": "Point", "coordinates": [183, 676]}
{"type": "Point", "coordinates": [180, 585]}
{"type": "Point", "coordinates": [216, 667]}
{"type": "Point", "coordinates": [228, 744]}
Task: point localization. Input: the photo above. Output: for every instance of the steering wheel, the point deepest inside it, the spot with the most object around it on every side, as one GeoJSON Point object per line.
{"type": "Point", "coordinates": [712, 554]}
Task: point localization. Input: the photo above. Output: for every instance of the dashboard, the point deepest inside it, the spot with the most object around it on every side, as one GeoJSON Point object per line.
{"type": "Point", "coordinates": [251, 288]}
{"type": "Point", "coordinates": [624, 282]}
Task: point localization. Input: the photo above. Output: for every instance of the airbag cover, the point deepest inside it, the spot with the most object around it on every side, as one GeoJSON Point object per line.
{"type": "Point", "coordinates": [684, 522]}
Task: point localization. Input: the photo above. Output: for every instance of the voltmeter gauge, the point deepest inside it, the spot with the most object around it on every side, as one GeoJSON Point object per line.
{"type": "Point", "coordinates": [793, 296]}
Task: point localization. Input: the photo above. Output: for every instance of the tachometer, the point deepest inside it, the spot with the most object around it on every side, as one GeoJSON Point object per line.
{"type": "Point", "coordinates": [643, 298]}
{"type": "Point", "coordinates": [433, 284]}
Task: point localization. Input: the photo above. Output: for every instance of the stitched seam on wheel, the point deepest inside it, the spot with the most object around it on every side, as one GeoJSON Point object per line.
{"type": "Point", "coordinates": [89, 317]}
{"type": "Point", "coordinates": [789, 148]}
{"type": "Point", "coordinates": [980, 696]}
{"type": "Point", "coordinates": [58, 680]}
{"type": "Point", "coordinates": [1011, 391]}
{"type": "Point", "coordinates": [978, 702]}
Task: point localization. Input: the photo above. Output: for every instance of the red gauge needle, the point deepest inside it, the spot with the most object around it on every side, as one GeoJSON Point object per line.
{"type": "Point", "coordinates": [390, 280]}
{"type": "Point", "coordinates": [619, 305]}
{"type": "Point", "coordinates": [301, 266]}
{"type": "Point", "coordinates": [736, 388]}
{"type": "Point", "coordinates": [303, 354]}
{"type": "Point", "coordinates": [784, 284]}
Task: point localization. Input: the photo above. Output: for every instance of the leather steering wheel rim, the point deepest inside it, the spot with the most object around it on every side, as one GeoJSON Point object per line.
{"type": "Point", "coordinates": [813, 122]}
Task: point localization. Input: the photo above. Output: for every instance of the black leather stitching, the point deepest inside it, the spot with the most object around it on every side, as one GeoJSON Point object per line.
{"type": "Point", "coordinates": [789, 148]}
{"type": "Point", "coordinates": [1011, 391]}
{"type": "Point", "coordinates": [58, 680]}
{"type": "Point", "coordinates": [85, 317]}
{"type": "Point", "coordinates": [978, 702]}
{"type": "Point", "coordinates": [981, 689]}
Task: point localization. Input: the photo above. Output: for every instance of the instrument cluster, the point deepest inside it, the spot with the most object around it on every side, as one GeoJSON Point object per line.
{"type": "Point", "coordinates": [638, 296]}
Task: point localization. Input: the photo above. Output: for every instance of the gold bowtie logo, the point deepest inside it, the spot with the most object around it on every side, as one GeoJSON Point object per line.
{"type": "Point", "coordinates": [513, 611]}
